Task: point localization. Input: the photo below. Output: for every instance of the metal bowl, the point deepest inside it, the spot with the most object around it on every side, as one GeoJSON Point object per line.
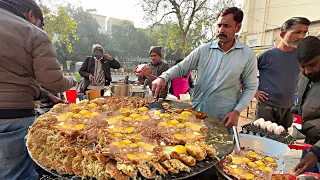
{"type": "Point", "coordinates": [265, 146]}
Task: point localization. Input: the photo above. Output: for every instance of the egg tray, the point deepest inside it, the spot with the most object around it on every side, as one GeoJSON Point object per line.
{"type": "Point", "coordinates": [283, 137]}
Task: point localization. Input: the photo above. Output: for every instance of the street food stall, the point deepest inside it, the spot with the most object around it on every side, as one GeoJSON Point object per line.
{"type": "Point", "coordinates": [118, 137]}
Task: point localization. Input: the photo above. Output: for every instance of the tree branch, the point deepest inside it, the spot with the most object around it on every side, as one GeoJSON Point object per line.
{"type": "Point", "coordinates": [176, 6]}
{"type": "Point", "coordinates": [192, 15]}
{"type": "Point", "coordinates": [201, 5]}
{"type": "Point", "coordinates": [166, 14]}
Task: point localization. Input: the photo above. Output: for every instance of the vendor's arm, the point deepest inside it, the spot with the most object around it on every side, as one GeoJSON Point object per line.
{"type": "Point", "coordinates": [309, 160]}
{"type": "Point", "coordinates": [184, 67]}
{"type": "Point", "coordinates": [147, 73]}
{"type": "Point", "coordinates": [263, 59]}
{"type": "Point", "coordinates": [44, 94]}
{"type": "Point", "coordinates": [47, 70]}
{"type": "Point", "coordinates": [316, 150]}
{"type": "Point", "coordinates": [249, 83]}
{"type": "Point", "coordinates": [113, 62]}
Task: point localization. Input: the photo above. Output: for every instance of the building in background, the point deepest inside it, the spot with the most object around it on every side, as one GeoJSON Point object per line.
{"type": "Point", "coordinates": [100, 18]}
{"type": "Point", "coordinates": [263, 19]}
{"type": "Point", "coordinates": [112, 21]}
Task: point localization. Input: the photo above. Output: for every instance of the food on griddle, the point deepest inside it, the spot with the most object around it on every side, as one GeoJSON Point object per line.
{"type": "Point", "coordinates": [280, 177]}
{"type": "Point", "coordinates": [118, 138]}
{"type": "Point", "coordinates": [248, 164]}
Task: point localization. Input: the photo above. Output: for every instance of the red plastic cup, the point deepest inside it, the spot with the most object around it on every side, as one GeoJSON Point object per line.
{"type": "Point", "coordinates": [71, 96]}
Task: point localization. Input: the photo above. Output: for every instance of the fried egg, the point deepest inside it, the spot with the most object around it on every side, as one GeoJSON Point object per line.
{"type": "Point", "coordinates": [180, 149]}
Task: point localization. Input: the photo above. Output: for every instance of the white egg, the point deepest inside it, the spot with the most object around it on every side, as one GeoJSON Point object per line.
{"type": "Point", "coordinates": [279, 130]}
{"type": "Point", "coordinates": [111, 127]}
{"type": "Point", "coordinates": [162, 144]}
{"type": "Point", "coordinates": [149, 154]}
{"type": "Point", "coordinates": [258, 122]}
{"type": "Point", "coordinates": [234, 166]}
{"type": "Point", "coordinates": [265, 124]}
{"type": "Point", "coordinates": [61, 124]}
{"type": "Point", "coordinates": [272, 127]}
{"type": "Point", "coordinates": [197, 134]}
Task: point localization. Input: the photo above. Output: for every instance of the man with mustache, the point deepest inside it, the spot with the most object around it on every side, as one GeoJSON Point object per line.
{"type": "Point", "coordinates": [279, 71]}
{"type": "Point", "coordinates": [222, 65]}
{"type": "Point", "coordinates": [308, 54]}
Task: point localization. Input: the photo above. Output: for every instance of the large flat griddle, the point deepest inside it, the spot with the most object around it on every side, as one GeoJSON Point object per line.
{"type": "Point", "coordinates": [218, 136]}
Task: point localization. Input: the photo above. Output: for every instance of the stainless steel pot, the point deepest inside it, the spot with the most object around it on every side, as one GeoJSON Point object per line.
{"type": "Point", "coordinates": [140, 91]}
{"type": "Point", "coordinates": [120, 89]}
{"type": "Point", "coordinates": [137, 88]}
{"type": "Point", "coordinates": [139, 94]}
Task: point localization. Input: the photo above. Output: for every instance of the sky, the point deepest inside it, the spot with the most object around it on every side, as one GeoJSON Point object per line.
{"type": "Point", "coordinates": [123, 9]}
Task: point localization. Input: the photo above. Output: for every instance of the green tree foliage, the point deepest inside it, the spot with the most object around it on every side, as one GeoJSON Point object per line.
{"type": "Point", "coordinates": [87, 32]}
{"type": "Point", "coordinates": [60, 26]}
{"type": "Point", "coordinates": [128, 41]}
{"type": "Point", "coordinates": [190, 21]}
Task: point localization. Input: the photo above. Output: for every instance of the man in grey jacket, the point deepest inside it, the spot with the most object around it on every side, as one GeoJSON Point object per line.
{"type": "Point", "coordinates": [308, 54]}
{"type": "Point", "coordinates": [27, 63]}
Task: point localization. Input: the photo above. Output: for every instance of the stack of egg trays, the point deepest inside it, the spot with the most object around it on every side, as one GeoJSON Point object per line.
{"type": "Point", "coordinates": [284, 137]}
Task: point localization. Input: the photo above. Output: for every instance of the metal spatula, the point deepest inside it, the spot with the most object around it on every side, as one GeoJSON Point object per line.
{"type": "Point", "coordinates": [236, 137]}
{"type": "Point", "coordinates": [155, 104]}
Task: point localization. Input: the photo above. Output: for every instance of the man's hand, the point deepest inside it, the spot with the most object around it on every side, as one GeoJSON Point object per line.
{"type": "Point", "coordinates": [231, 118]}
{"type": "Point", "coordinates": [75, 83]}
{"type": "Point", "coordinates": [308, 161]}
{"type": "Point", "coordinates": [261, 96]}
{"type": "Point", "coordinates": [146, 71]}
{"type": "Point", "coordinates": [107, 56]}
{"type": "Point", "coordinates": [91, 78]}
{"type": "Point", "coordinates": [54, 99]}
{"type": "Point", "coordinates": [157, 86]}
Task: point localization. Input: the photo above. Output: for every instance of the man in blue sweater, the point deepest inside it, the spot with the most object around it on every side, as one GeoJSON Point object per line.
{"type": "Point", "coordinates": [279, 71]}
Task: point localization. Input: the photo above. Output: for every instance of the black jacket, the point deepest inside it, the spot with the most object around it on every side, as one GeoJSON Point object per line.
{"type": "Point", "coordinates": [310, 111]}
{"type": "Point", "coordinates": [87, 68]}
